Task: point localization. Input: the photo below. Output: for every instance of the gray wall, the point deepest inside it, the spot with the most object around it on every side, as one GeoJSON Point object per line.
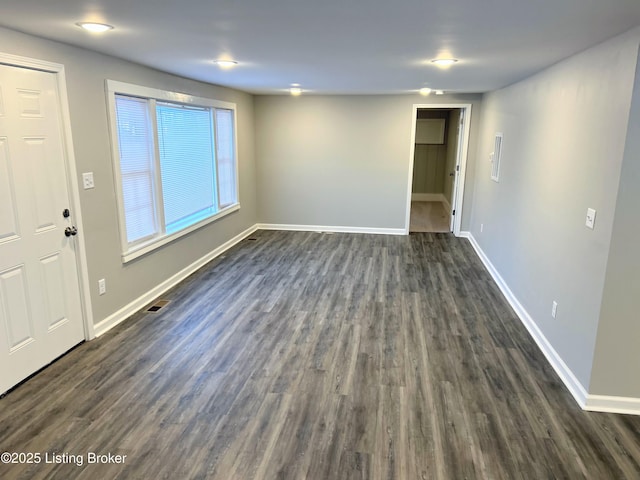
{"type": "Point", "coordinates": [564, 136]}
{"type": "Point", "coordinates": [617, 356]}
{"type": "Point", "coordinates": [86, 73]}
{"type": "Point", "coordinates": [341, 160]}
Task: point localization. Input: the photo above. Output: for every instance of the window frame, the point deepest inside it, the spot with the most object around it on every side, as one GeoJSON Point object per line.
{"type": "Point", "coordinates": [133, 250]}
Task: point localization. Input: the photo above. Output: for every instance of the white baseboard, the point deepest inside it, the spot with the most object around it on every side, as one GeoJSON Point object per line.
{"type": "Point", "coordinates": [604, 403]}
{"type": "Point", "coordinates": [428, 197]}
{"type": "Point", "coordinates": [564, 372]}
{"type": "Point", "coordinates": [587, 401]}
{"type": "Point", "coordinates": [327, 229]}
{"type": "Point", "coordinates": [128, 310]}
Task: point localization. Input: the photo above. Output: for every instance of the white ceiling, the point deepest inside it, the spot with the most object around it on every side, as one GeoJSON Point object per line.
{"type": "Point", "coordinates": [334, 46]}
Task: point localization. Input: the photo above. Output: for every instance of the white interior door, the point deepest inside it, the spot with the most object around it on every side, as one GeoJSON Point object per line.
{"type": "Point", "coordinates": [456, 178]}
{"type": "Point", "coordinates": [40, 307]}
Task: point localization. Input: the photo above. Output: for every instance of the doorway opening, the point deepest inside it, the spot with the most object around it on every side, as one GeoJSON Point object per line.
{"type": "Point", "coordinates": [439, 143]}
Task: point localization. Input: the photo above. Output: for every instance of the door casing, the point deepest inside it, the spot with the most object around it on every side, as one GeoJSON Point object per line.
{"type": "Point", "coordinates": [461, 161]}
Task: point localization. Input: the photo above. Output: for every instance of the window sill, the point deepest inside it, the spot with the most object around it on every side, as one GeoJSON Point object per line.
{"type": "Point", "coordinates": [151, 245]}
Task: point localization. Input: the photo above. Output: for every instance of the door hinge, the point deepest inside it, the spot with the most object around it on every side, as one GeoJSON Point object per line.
{"type": "Point", "coordinates": [453, 213]}
{"type": "Point", "coordinates": [457, 168]}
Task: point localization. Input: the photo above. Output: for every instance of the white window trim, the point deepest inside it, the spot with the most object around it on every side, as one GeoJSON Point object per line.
{"type": "Point", "coordinates": [130, 252]}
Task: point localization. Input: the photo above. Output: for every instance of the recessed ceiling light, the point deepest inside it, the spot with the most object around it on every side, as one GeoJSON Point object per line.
{"type": "Point", "coordinates": [439, 92]}
{"type": "Point", "coordinates": [94, 27]}
{"type": "Point", "coordinates": [425, 91]}
{"type": "Point", "coordinates": [444, 62]}
{"type": "Point", "coordinates": [295, 91]}
{"type": "Point", "coordinates": [225, 63]}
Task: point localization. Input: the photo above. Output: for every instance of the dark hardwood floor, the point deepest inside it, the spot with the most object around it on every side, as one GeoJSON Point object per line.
{"type": "Point", "coordinates": [318, 356]}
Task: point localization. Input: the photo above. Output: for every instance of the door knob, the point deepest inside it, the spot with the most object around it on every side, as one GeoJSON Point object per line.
{"type": "Point", "coordinates": [72, 230]}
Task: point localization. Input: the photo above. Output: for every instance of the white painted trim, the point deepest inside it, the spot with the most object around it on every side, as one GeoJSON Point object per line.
{"type": "Point", "coordinates": [428, 197]}
{"type": "Point", "coordinates": [131, 308]}
{"type": "Point", "coordinates": [461, 161]}
{"type": "Point", "coordinates": [564, 372]}
{"type": "Point", "coordinates": [589, 402]}
{"type": "Point", "coordinates": [604, 403]}
{"type": "Point", "coordinates": [72, 176]}
{"type": "Point", "coordinates": [144, 248]}
{"type": "Point", "coordinates": [114, 87]}
{"type": "Point", "coordinates": [325, 229]}
{"type": "Point", "coordinates": [85, 288]}
{"type": "Point", "coordinates": [26, 62]}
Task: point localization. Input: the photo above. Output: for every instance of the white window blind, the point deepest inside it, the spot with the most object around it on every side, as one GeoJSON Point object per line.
{"type": "Point", "coordinates": [185, 144]}
{"type": "Point", "coordinates": [136, 167]}
{"type": "Point", "coordinates": [176, 164]}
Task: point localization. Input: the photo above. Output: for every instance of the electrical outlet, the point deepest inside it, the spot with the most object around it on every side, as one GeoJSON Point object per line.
{"type": "Point", "coordinates": [591, 218]}
{"type": "Point", "coordinates": [102, 286]}
{"type": "Point", "coordinates": [87, 180]}
{"type": "Point", "coordinates": [554, 309]}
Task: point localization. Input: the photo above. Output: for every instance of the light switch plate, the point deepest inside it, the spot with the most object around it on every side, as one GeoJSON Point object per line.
{"type": "Point", "coordinates": [87, 180]}
{"type": "Point", "coordinates": [591, 218]}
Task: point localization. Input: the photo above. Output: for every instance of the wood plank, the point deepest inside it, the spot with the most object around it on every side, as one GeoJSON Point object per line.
{"type": "Point", "coordinates": [307, 355]}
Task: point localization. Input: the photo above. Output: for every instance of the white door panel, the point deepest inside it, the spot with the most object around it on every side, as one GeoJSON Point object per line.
{"type": "Point", "coordinates": [8, 213]}
{"type": "Point", "coordinates": [54, 287]}
{"type": "Point", "coordinates": [41, 183]}
{"type": "Point", "coordinates": [40, 310]}
{"type": "Point", "coordinates": [15, 306]}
